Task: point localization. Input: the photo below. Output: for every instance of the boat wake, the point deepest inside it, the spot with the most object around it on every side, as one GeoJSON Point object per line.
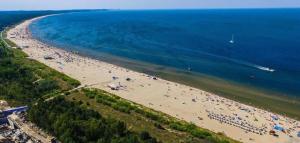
{"type": "Point", "coordinates": [265, 69]}
{"type": "Point", "coordinates": [244, 63]}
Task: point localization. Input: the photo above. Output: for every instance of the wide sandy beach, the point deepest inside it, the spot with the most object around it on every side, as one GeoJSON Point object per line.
{"type": "Point", "coordinates": [207, 110]}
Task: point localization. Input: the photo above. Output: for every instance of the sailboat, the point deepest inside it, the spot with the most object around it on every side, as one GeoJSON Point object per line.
{"type": "Point", "coordinates": [232, 39]}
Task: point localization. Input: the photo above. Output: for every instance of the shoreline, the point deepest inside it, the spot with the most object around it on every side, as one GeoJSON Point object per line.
{"type": "Point", "coordinates": [181, 101]}
{"type": "Point", "coordinates": [283, 102]}
{"type": "Point", "coordinates": [274, 101]}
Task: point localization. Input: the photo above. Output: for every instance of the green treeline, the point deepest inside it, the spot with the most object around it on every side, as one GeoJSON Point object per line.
{"type": "Point", "coordinates": [23, 80]}
{"type": "Point", "coordinates": [71, 123]}
{"type": "Point", "coordinates": [162, 120]}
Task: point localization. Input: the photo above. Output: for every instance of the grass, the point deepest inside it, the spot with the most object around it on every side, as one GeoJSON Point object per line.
{"type": "Point", "coordinates": [24, 80]}
{"type": "Point", "coordinates": [134, 121]}
{"type": "Point", "coordinates": [138, 117]}
{"type": "Point", "coordinates": [3, 37]}
{"type": "Point", "coordinates": [42, 71]}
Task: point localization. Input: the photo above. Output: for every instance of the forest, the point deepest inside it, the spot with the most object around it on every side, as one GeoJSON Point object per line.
{"type": "Point", "coordinates": [71, 123]}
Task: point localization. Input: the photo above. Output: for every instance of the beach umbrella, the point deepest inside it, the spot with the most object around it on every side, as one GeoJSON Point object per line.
{"type": "Point", "coordinates": [278, 127]}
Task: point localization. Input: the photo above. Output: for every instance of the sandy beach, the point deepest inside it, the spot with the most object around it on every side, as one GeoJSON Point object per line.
{"type": "Point", "coordinates": [238, 121]}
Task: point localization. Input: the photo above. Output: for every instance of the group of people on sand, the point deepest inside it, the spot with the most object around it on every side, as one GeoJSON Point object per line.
{"type": "Point", "coordinates": [240, 117]}
{"type": "Point", "coordinates": [237, 122]}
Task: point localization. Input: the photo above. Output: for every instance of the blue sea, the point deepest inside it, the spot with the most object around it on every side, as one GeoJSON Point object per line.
{"type": "Point", "coordinates": [255, 47]}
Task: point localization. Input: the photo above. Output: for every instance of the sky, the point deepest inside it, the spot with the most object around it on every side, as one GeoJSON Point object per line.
{"type": "Point", "coordinates": [142, 4]}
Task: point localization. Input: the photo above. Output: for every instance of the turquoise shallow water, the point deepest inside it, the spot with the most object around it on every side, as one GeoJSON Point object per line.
{"type": "Point", "coordinates": [264, 54]}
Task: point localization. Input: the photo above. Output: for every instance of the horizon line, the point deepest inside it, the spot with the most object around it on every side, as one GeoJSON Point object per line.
{"type": "Point", "coordinates": [221, 8]}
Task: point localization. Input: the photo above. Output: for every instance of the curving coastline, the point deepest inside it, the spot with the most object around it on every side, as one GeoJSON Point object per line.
{"type": "Point", "coordinates": [184, 102]}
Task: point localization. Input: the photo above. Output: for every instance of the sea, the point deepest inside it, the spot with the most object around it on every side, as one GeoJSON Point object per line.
{"type": "Point", "coordinates": [253, 47]}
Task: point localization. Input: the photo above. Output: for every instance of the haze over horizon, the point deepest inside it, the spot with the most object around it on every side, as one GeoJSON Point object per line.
{"type": "Point", "coordinates": [144, 4]}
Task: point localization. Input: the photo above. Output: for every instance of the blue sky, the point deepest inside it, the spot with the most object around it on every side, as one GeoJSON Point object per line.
{"type": "Point", "coordinates": [143, 4]}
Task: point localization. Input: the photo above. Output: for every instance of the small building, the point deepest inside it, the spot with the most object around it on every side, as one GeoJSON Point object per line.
{"type": "Point", "coordinates": [5, 113]}
{"type": "Point", "coordinates": [113, 86]}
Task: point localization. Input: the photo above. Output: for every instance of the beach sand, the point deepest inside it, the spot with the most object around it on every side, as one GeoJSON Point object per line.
{"type": "Point", "coordinates": [207, 110]}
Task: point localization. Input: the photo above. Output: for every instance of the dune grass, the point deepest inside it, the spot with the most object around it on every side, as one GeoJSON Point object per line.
{"type": "Point", "coordinates": [23, 80]}
{"type": "Point", "coordinates": [159, 125]}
